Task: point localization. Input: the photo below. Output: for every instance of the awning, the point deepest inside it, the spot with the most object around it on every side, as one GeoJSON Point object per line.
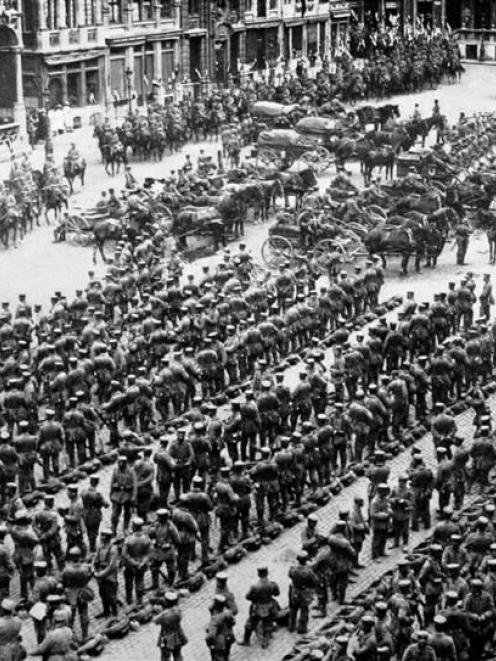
{"type": "Point", "coordinates": [163, 36]}
{"type": "Point", "coordinates": [262, 24]}
{"type": "Point", "coordinates": [195, 32]}
{"type": "Point", "coordinates": [293, 22]}
{"type": "Point", "coordinates": [69, 58]}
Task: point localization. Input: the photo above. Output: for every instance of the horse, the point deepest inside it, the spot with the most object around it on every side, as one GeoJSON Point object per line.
{"type": "Point", "coordinates": [54, 198]}
{"type": "Point", "coordinates": [378, 158]}
{"type": "Point", "coordinates": [426, 204]}
{"type": "Point", "coordinates": [297, 184]}
{"type": "Point", "coordinates": [406, 240]}
{"type": "Point", "coordinates": [386, 112]}
{"type": "Point", "coordinates": [344, 150]}
{"type": "Point", "coordinates": [113, 156]}
{"type": "Point", "coordinates": [105, 230]}
{"type": "Point", "coordinates": [9, 223]}
{"type": "Point", "coordinates": [73, 170]}
{"type": "Point", "coordinates": [158, 144]}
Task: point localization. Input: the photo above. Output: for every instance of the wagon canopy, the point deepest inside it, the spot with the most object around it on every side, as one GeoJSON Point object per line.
{"type": "Point", "coordinates": [316, 125]}
{"type": "Point", "coordinates": [284, 138]}
{"type": "Point", "coordinates": [272, 109]}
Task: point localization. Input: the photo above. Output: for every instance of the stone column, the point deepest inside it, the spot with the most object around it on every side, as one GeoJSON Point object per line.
{"type": "Point", "coordinates": [157, 60]}
{"type": "Point", "coordinates": [84, 91]}
{"type": "Point", "coordinates": [80, 16]}
{"type": "Point", "coordinates": [62, 18]}
{"type": "Point", "coordinates": [290, 42]}
{"type": "Point", "coordinates": [42, 16]}
{"type": "Point", "coordinates": [157, 13]}
{"type": "Point", "coordinates": [176, 13]}
{"type": "Point", "coordinates": [304, 40]}
{"type": "Point", "coordinates": [19, 107]}
{"type": "Point", "coordinates": [280, 37]}
{"type": "Point", "coordinates": [128, 16]}
{"type": "Point", "coordinates": [443, 13]}
{"type": "Point", "coordinates": [327, 36]}
{"type": "Point", "coordinates": [65, 94]}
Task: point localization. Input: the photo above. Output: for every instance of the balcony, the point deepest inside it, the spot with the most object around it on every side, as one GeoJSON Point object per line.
{"type": "Point", "coordinates": [67, 39]}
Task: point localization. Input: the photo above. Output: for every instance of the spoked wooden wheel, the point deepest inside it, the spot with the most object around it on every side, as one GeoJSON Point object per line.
{"type": "Point", "coordinates": [276, 250]}
{"type": "Point", "coordinates": [318, 158]}
{"type": "Point", "coordinates": [344, 249]}
{"type": "Point", "coordinates": [268, 159]}
{"type": "Point", "coordinates": [327, 252]}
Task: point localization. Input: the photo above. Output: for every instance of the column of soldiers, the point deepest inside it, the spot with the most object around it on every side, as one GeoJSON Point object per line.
{"type": "Point", "coordinates": [132, 355]}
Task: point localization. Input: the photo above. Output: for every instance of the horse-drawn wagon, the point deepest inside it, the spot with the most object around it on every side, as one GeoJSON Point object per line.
{"type": "Point", "coordinates": [426, 163]}
{"type": "Point", "coordinates": [328, 243]}
{"type": "Point", "coordinates": [278, 149]}
{"type": "Point", "coordinates": [79, 224]}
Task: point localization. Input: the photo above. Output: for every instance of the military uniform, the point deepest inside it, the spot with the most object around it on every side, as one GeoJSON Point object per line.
{"type": "Point", "coordinates": [401, 505]}
{"type": "Point", "coordinates": [26, 447]}
{"type": "Point", "coordinates": [243, 487]}
{"type": "Point", "coordinates": [93, 503]}
{"type": "Point", "coordinates": [304, 582]}
{"type": "Point", "coordinates": [220, 634]}
{"type": "Point", "coordinates": [172, 638]}
{"type": "Point", "coordinates": [25, 540]}
{"type": "Point", "coordinates": [46, 526]}
{"type": "Point", "coordinates": [106, 567]}
{"type": "Point", "coordinates": [136, 557]}
{"type": "Point", "coordinates": [200, 506]}
{"type": "Point", "coordinates": [380, 516]}
{"type": "Point", "coordinates": [6, 565]}
{"type": "Point", "coordinates": [145, 477]}
{"type": "Point", "coordinates": [262, 609]}
{"type": "Point", "coordinates": [75, 578]}
{"type": "Point", "coordinates": [165, 538]}
{"type": "Point", "coordinates": [123, 488]}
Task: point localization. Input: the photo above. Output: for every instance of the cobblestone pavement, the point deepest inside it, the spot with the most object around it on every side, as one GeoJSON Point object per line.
{"type": "Point", "coordinates": [39, 267]}
{"type": "Point", "coordinates": [280, 554]}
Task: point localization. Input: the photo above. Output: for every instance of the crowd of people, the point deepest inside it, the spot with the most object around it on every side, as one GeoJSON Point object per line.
{"type": "Point", "coordinates": [395, 64]}
{"type": "Point", "coordinates": [143, 361]}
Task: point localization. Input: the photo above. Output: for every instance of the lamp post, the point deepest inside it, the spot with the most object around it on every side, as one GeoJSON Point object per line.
{"type": "Point", "coordinates": [129, 75]}
{"type": "Point", "coordinates": [48, 128]}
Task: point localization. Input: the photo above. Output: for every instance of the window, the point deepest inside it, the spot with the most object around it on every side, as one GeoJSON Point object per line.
{"type": "Point", "coordinates": [166, 11]}
{"type": "Point", "coordinates": [29, 16]}
{"type": "Point", "coordinates": [115, 11]}
{"type": "Point", "coordinates": [146, 11]}
{"type": "Point", "coordinates": [261, 8]}
{"type": "Point", "coordinates": [193, 7]}
{"type": "Point", "coordinates": [89, 12]}
{"type": "Point", "coordinates": [52, 15]}
{"type": "Point", "coordinates": [70, 13]}
{"type": "Point", "coordinates": [273, 4]}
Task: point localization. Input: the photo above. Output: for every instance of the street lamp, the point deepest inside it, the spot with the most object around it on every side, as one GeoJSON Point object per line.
{"type": "Point", "coordinates": [48, 128]}
{"type": "Point", "coordinates": [129, 75]}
